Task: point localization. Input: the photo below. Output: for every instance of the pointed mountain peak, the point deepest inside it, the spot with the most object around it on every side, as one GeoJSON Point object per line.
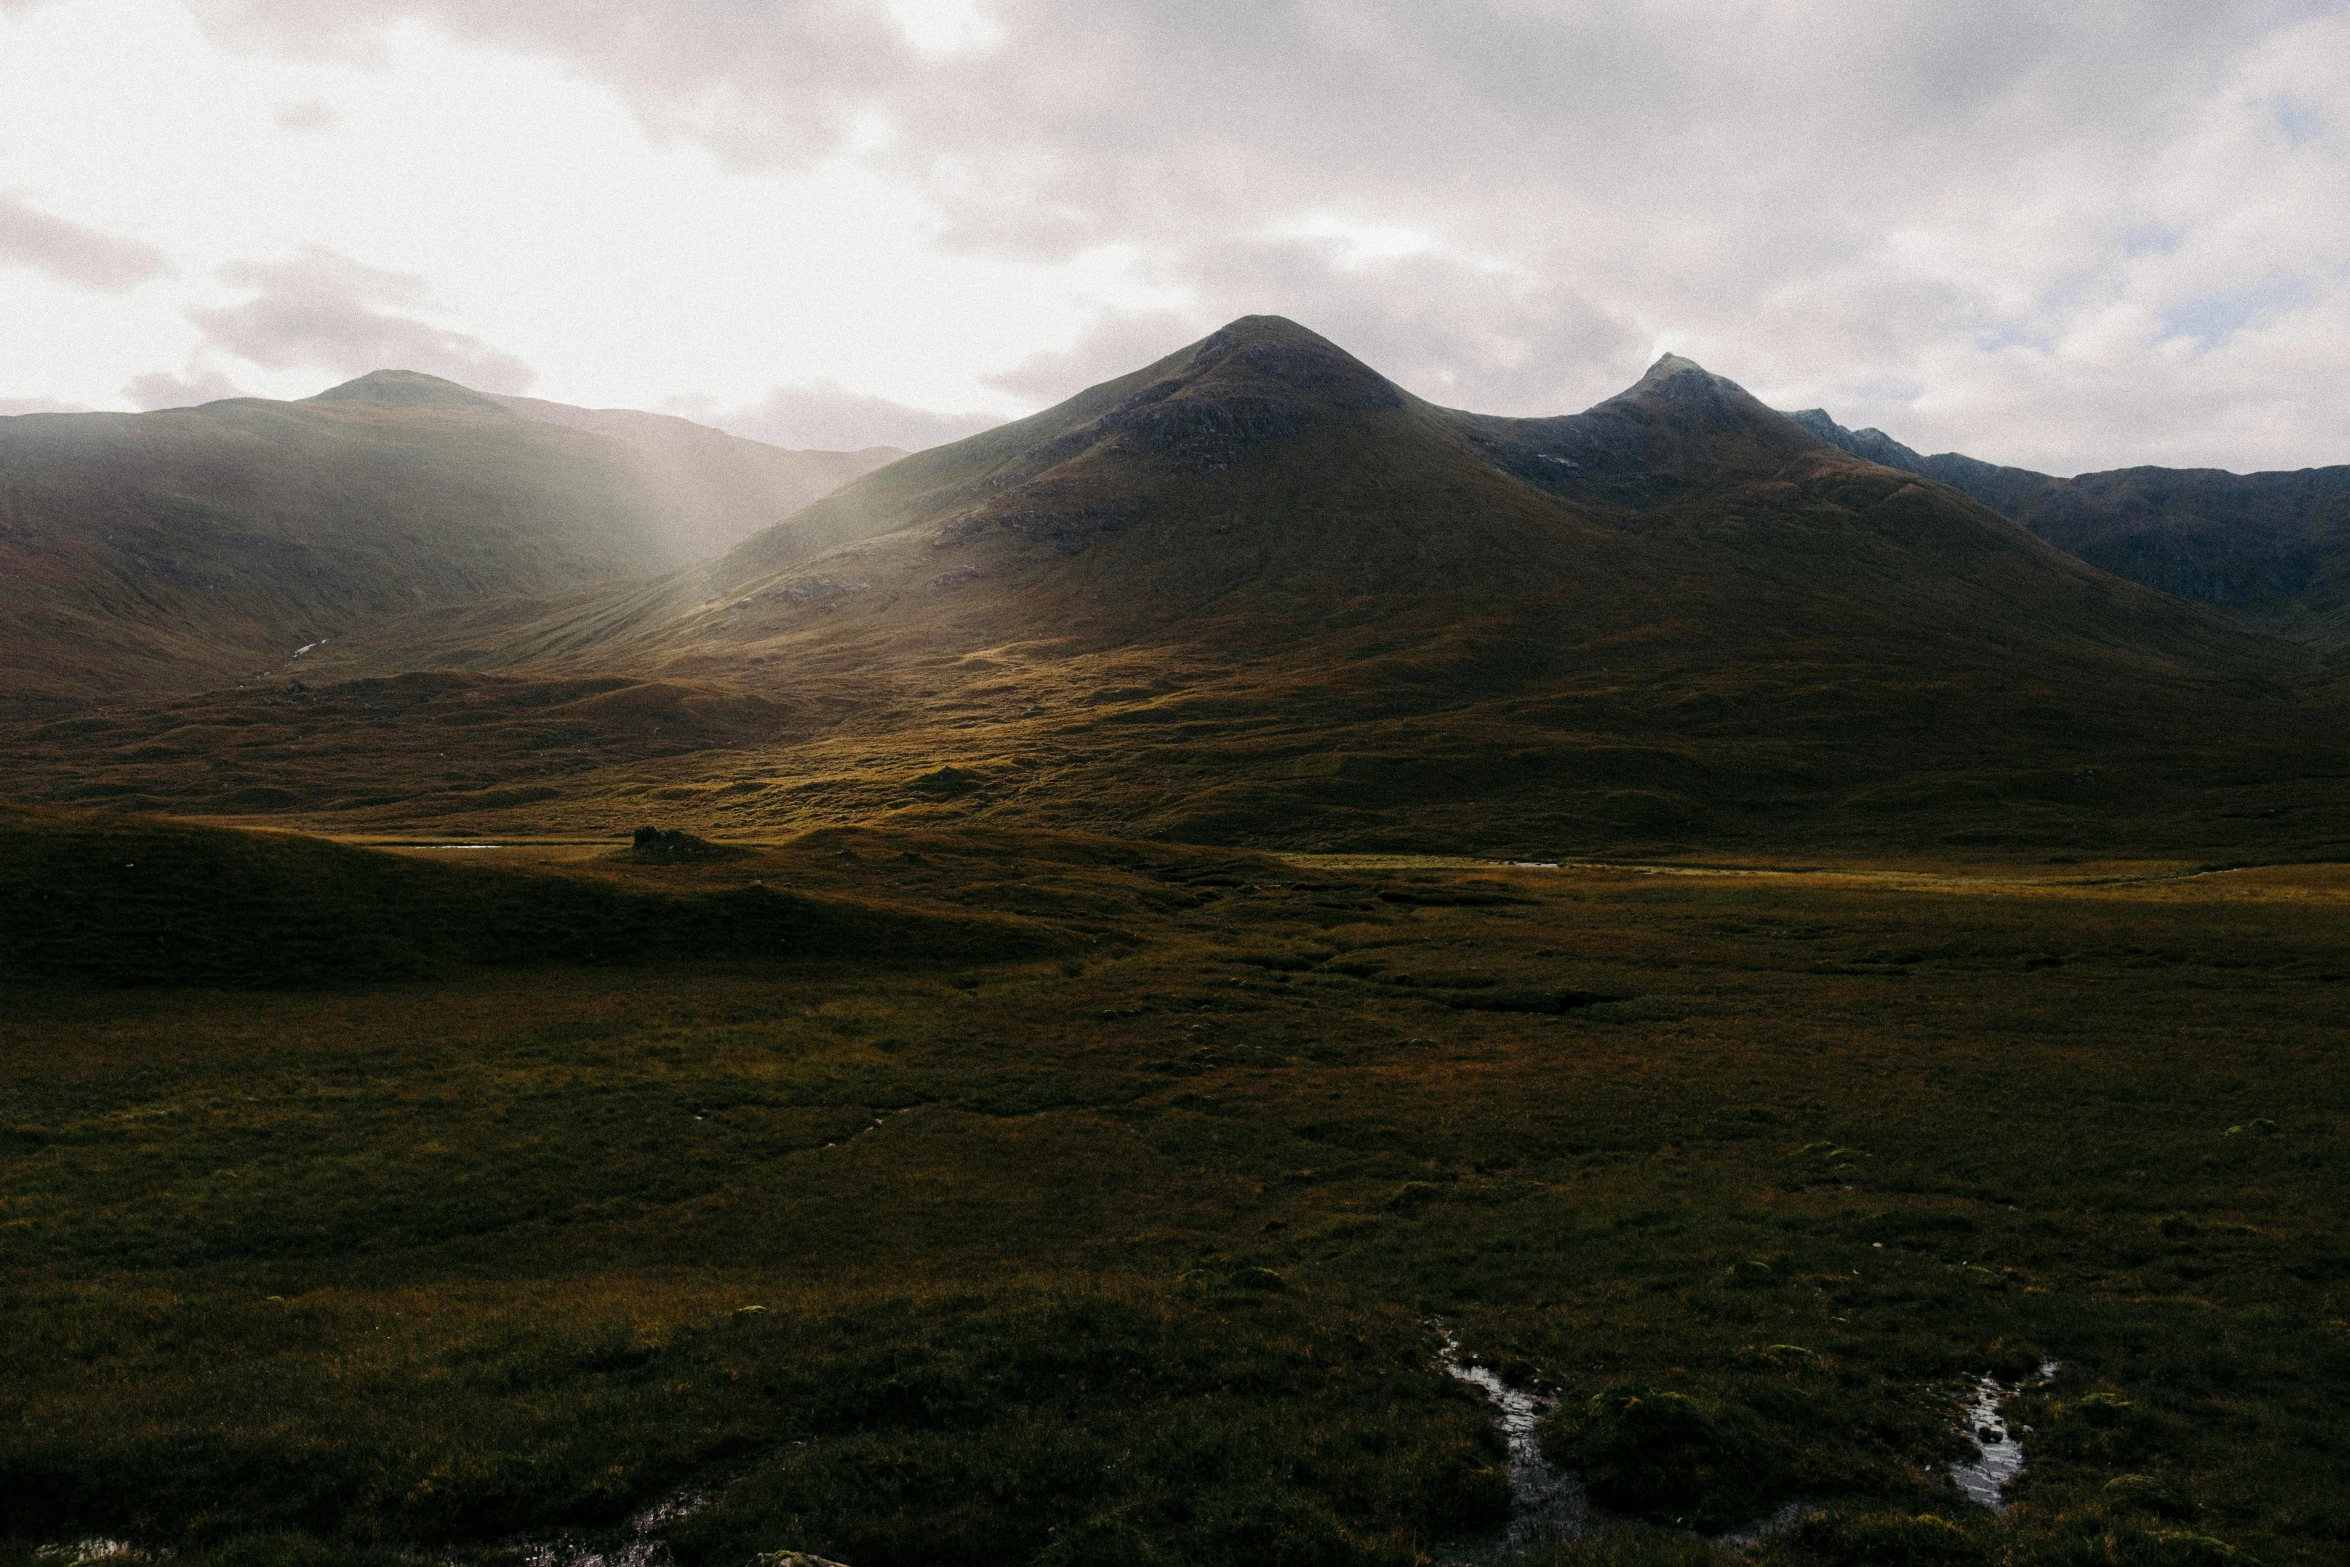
{"type": "Point", "coordinates": [1274, 357]}
{"type": "Point", "coordinates": [1675, 379]}
{"type": "Point", "coordinates": [1684, 394]}
{"type": "Point", "coordinates": [409, 389]}
{"type": "Point", "coordinates": [1872, 443]}
{"type": "Point", "coordinates": [1257, 332]}
{"type": "Point", "coordinates": [1667, 367]}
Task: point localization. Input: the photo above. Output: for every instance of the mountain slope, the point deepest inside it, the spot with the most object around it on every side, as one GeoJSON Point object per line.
{"type": "Point", "coordinates": [1237, 495]}
{"type": "Point", "coordinates": [195, 547]}
{"type": "Point", "coordinates": [2268, 550]}
{"type": "Point", "coordinates": [1256, 593]}
{"type": "Point", "coordinates": [717, 489]}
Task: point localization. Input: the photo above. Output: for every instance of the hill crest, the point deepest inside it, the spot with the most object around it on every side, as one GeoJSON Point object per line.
{"type": "Point", "coordinates": [1255, 593]}
{"type": "Point", "coordinates": [198, 547]}
{"type": "Point", "coordinates": [410, 389]}
{"type": "Point", "coordinates": [2270, 551]}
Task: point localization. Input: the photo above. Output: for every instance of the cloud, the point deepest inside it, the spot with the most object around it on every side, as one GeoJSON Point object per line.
{"type": "Point", "coordinates": [2209, 322]}
{"type": "Point", "coordinates": [199, 383]}
{"type": "Point", "coordinates": [319, 312]}
{"type": "Point", "coordinates": [70, 253]}
{"type": "Point", "coordinates": [1918, 214]}
{"type": "Point", "coordinates": [1117, 344]}
{"type": "Point", "coordinates": [10, 407]}
{"type": "Point", "coordinates": [825, 416]}
{"type": "Point", "coordinates": [311, 114]}
{"type": "Point", "coordinates": [1451, 331]}
{"type": "Point", "coordinates": [777, 81]}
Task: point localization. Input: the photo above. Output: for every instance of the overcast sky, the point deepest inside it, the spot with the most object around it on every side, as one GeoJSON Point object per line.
{"type": "Point", "coordinates": [2069, 236]}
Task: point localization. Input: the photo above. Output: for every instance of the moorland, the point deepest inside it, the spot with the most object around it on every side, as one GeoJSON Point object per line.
{"type": "Point", "coordinates": [1109, 1202]}
{"type": "Point", "coordinates": [1165, 938]}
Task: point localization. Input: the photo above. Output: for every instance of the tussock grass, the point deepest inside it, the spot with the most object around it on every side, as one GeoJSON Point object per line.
{"type": "Point", "coordinates": [131, 901]}
{"type": "Point", "coordinates": [393, 1271]}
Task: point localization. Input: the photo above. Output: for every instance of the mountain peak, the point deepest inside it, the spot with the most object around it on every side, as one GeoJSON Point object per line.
{"type": "Point", "coordinates": [1668, 366]}
{"type": "Point", "coordinates": [409, 389]}
{"type": "Point", "coordinates": [1256, 328]}
{"type": "Point", "coordinates": [1678, 380]}
{"type": "Point", "coordinates": [1272, 356]}
{"type": "Point", "coordinates": [1683, 393]}
{"type": "Point", "coordinates": [1873, 444]}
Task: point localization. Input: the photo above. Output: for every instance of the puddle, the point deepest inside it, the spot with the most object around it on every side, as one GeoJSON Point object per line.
{"type": "Point", "coordinates": [2000, 1456]}
{"type": "Point", "coordinates": [1549, 1503]}
{"type": "Point", "coordinates": [877, 1122]}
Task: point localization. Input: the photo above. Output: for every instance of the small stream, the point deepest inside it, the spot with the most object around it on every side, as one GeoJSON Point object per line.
{"type": "Point", "coordinates": [637, 1543]}
{"type": "Point", "coordinates": [95, 1549]}
{"type": "Point", "coordinates": [1999, 1455]}
{"type": "Point", "coordinates": [1549, 1502]}
{"type": "Point", "coordinates": [1550, 1505]}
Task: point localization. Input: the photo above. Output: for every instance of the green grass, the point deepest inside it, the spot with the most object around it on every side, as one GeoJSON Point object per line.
{"type": "Point", "coordinates": [112, 900]}
{"type": "Point", "coordinates": [389, 1270]}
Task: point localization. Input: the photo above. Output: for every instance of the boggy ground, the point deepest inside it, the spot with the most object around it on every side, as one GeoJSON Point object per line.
{"type": "Point", "coordinates": [1136, 1245]}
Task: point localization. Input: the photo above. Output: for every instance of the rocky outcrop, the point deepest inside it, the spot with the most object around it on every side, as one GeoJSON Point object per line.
{"type": "Point", "coordinates": [1874, 444]}
{"type": "Point", "coordinates": [662, 845]}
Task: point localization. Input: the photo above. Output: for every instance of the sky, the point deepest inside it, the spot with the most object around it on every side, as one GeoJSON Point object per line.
{"type": "Point", "coordinates": [2068, 237]}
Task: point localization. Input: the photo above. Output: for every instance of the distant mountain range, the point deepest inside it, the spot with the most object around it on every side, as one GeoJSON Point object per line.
{"type": "Point", "coordinates": [1255, 592]}
{"type": "Point", "coordinates": [2270, 550]}
{"type": "Point", "coordinates": [197, 547]}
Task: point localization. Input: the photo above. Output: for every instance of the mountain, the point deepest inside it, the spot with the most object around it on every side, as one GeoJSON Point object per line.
{"type": "Point", "coordinates": [2268, 550]}
{"type": "Point", "coordinates": [718, 489]}
{"type": "Point", "coordinates": [1256, 593]}
{"type": "Point", "coordinates": [196, 547]}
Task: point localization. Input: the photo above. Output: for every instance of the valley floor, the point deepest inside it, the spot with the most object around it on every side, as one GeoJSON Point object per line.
{"type": "Point", "coordinates": [1145, 1252]}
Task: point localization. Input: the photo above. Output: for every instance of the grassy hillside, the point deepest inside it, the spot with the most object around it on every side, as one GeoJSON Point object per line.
{"type": "Point", "coordinates": [2268, 550]}
{"type": "Point", "coordinates": [2271, 550]}
{"type": "Point", "coordinates": [200, 547]}
{"type": "Point", "coordinates": [128, 901]}
{"type": "Point", "coordinates": [1146, 1254]}
{"type": "Point", "coordinates": [716, 489]}
{"type": "Point", "coordinates": [1254, 594]}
